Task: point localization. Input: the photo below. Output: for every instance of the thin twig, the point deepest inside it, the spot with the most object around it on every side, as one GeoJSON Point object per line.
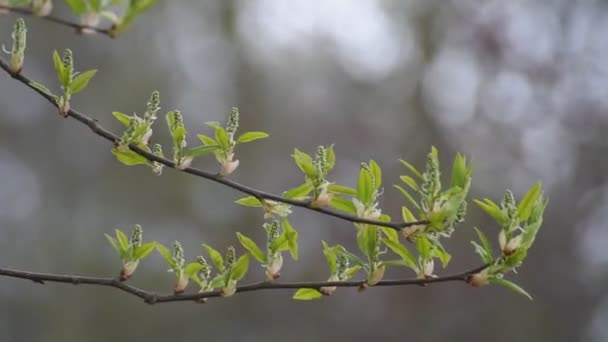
{"type": "Point", "coordinates": [102, 132]}
{"type": "Point", "coordinates": [152, 297]}
{"type": "Point", "coordinates": [77, 26]}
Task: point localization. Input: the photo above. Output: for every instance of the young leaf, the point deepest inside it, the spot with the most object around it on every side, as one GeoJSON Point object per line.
{"type": "Point", "coordinates": [251, 136]}
{"type": "Point", "coordinates": [122, 118]}
{"type": "Point", "coordinates": [331, 158]}
{"type": "Point", "coordinates": [166, 254]}
{"type": "Point", "coordinates": [240, 268]}
{"type": "Point", "coordinates": [123, 240]}
{"type": "Point", "coordinates": [424, 247]}
{"type": "Point", "coordinates": [207, 140]}
{"type": "Point", "coordinates": [304, 162]}
{"type": "Point", "coordinates": [192, 269]}
{"type": "Point", "coordinates": [460, 171]}
{"type": "Point", "coordinates": [298, 192]}
{"type": "Point", "coordinates": [390, 233]}
{"type": "Point", "coordinates": [411, 168]}
{"type": "Point", "coordinates": [510, 285]}
{"type": "Point", "coordinates": [82, 80]}
{"type": "Point", "coordinates": [376, 173]}
{"type": "Point", "coordinates": [114, 244]}
{"type": "Point", "coordinates": [485, 243]}
{"type": "Point", "coordinates": [492, 209]}
{"type": "Point", "coordinates": [216, 257]}
{"type": "Point", "coordinates": [77, 6]}
{"type": "Point", "coordinates": [331, 255]}
{"type": "Point", "coordinates": [399, 249]}
{"type": "Point", "coordinates": [59, 67]}
{"type": "Point", "coordinates": [252, 247]}
{"type": "Point", "coordinates": [250, 201]}
{"type": "Point", "coordinates": [307, 294]}
{"type": "Point", "coordinates": [143, 250]}
{"type": "Point", "coordinates": [292, 239]}
{"type": "Point", "coordinates": [485, 256]}
{"type": "Point", "coordinates": [129, 158]}
{"type": "Point", "coordinates": [367, 239]}
{"type": "Point", "coordinates": [407, 215]}
{"type": "Point", "coordinates": [201, 151]}
{"type": "Point", "coordinates": [350, 256]}
{"type": "Point", "coordinates": [340, 189]}
{"type": "Point", "coordinates": [407, 196]}
{"type": "Point", "coordinates": [365, 188]}
{"type": "Point", "coordinates": [41, 87]}
{"type": "Point", "coordinates": [528, 201]}
{"type": "Point", "coordinates": [410, 182]}
{"type": "Point", "coordinates": [222, 138]}
{"type": "Point", "coordinates": [342, 204]}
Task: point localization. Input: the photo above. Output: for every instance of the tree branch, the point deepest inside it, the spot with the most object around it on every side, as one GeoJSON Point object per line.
{"type": "Point", "coordinates": [152, 297]}
{"type": "Point", "coordinates": [106, 134]}
{"type": "Point", "coordinates": [77, 26]}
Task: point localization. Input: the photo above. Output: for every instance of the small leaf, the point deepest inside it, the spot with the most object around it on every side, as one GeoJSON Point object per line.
{"type": "Point", "coordinates": [299, 192]}
{"type": "Point", "coordinates": [216, 257]}
{"type": "Point", "coordinates": [343, 204]}
{"type": "Point", "coordinates": [252, 247]}
{"type": "Point", "coordinates": [460, 171]}
{"type": "Point", "coordinates": [214, 124]}
{"type": "Point", "coordinates": [201, 151]}
{"type": "Point", "coordinates": [128, 157]}
{"type": "Point", "coordinates": [331, 158]}
{"type": "Point", "coordinates": [41, 87]}
{"type": "Point", "coordinates": [331, 255]}
{"type": "Point", "coordinates": [352, 271]}
{"type": "Point", "coordinates": [59, 67]}
{"type": "Point", "coordinates": [485, 256]}
{"type": "Point", "coordinates": [492, 209]}
{"type": "Point", "coordinates": [307, 294]}
{"type": "Point", "coordinates": [143, 250]}
{"type": "Point", "coordinates": [222, 138]}
{"type": "Point", "coordinates": [114, 244]}
{"type": "Point", "coordinates": [191, 269]}
{"type": "Point", "coordinates": [527, 202]}
{"type": "Point", "coordinates": [251, 136]}
{"type": "Point", "coordinates": [485, 243]}
{"type": "Point", "coordinates": [407, 215]}
{"type": "Point", "coordinates": [410, 182]}
{"type": "Point", "coordinates": [411, 168]}
{"type": "Point", "coordinates": [82, 80]}
{"type": "Point", "coordinates": [376, 173]}
{"type": "Point", "coordinates": [304, 162]}
{"type": "Point", "coordinates": [123, 240]}
{"type": "Point", "coordinates": [365, 188]}
{"type": "Point", "coordinates": [407, 196]}
{"type": "Point", "coordinates": [77, 6]}
{"type": "Point", "coordinates": [240, 268]}
{"type": "Point", "coordinates": [122, 118]}
{"type": "Point", "coordinates": [399, 249]}
{"type": "Point", "coordinates": [340, 189]}
{"type": "Point", "coordinates": [510, 285]}
{"type": "Point", "coordinates": [166, 254]}
{"type": "Point", "coordinates": [442, 254]}
{"type": "Point", "coordinates": [424, 247]}
{"type": "Point", "coordinates": [207, 140]}
{"type": "Point", "coordinates": [390, 233]}
{"type": "Point", "coordinates": [250, 201]}
{"type": "Point", "coordinates": [292, 239]}
{"type": "Point", "coordinates": [367, 239]}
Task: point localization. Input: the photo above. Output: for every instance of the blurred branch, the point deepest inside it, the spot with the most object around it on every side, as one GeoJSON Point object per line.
{"type": "Point", "coordinates": [152, 297]}
{"type": "Point", "coordinates": [77, 26]}
{"type": "Point", "coordinates": [104, 133]}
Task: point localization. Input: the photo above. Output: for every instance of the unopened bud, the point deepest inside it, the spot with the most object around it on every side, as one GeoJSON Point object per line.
{"type": "Point", "coordinates": [128, 269]}
{"type": "Point", "coordinates": [228, 167]}
{"type": "Point", "coordinates": [502, 240]}
{"type": "Point", "coordinates": [90, 19]}
{"type": "Point", "coordinates": [322, 200]}
{"type": "Point", "coordinates": [42, 8]}
{"type": "Point", "coordinates": [230, 289]}
{"type": "Point", "coordinates": [376, 276]}
{"type": "Point", "coordinates": [184, 163]}
{"type": "Point", "coordinates": [273, 270]}
{"type": "Point", "coordinates": [427, 269]}
{"type": "Point", "coordinates": [181, 284]}
{"type": "Point", "coordinates": [478, 279]}
{"type": "Point", "coordinates": [329, 290]}
{"type": "Point", "coordinates": [512, 245]}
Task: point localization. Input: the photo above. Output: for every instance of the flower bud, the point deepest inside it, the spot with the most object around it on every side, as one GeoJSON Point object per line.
{"type": "Point", "coordinates": [128, 268]}
{"type": "Point", "coordinates": [273, 269]}
{"type": "Point", "coordinates": [512, 245]}
{"type": "Point", "coordinates": [427, 269]}
{"type": "Point", "coordinates": [89, 19]}
{"type": "Point", "coordinates": [329, 290]}
{"type": "Point", "coordinates": [181, 284]}
{"type": "Point", "coordinates": [502, 240]}
{"type": "Point", "coordinates": [322, 200]}
{"type": "Point", "coordinates": [184, 163]}
{"type": "Point", "coordinates": [228, 167]}
{"type": "Point", "coordinates": [478, 279]}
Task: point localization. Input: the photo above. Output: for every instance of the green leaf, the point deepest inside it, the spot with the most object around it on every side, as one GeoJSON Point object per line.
{"type": "Point", "coordinates": [251, 136]}
{"type": "Point", "coordinates": [367, 239]}
{"type": "Point", "coordinates": [216, 257]}
{"type": "Point", "coordinates": [407, 215]}
{"type": "Point", "coordinates": [340, 189]}
{"type": "Point", "coordinates": [485, 243]}
{"type": "Point", "coordinates": [365, 189]}
{"type": "Point", "coordinates": [166, 254]}
{"type": "Point", "coordinates": [207, 140]}
{"type": "Point", "coordinates": [142, 251]}
{"type": "Point", "coordinates": [331, 158]}
{"type": "Point", "coordinates": [252, 247]}
{"type": "Point", "coordinates": [129, 157]}
{"type": "Point", "coordinates": [114, 244]}
{"type": "Point", "coordinates": [408, 258]}
{"type": "Point", "coordinates": [331, 256]}
{"type": "Point", "coordinates": [410, 182]}
{"type": "Point", "coordinates": [123, 240]}
{"type": "Point", "coordinates": [307, 294]}
{"type": "Point", "coordinates": [299, 192]}
{"type": "Point", "coordinates": [122, 118]}
{"type": "Point", "coordinates": [407, 196]}
{"type": "Point", "coordinates": [192, 269]}
{"type": "Point", "coordinates": [201, 151]}
{"type": "Point", "coordinates": [240, 268]}
{"type": "Point", "coordinates": [376, 173]}
{"type": "Point", "coordinates": [82, 80]}
{"type": "Point", "coordinates": [77, 6]}
{"type": "Point", "coordinates": [423, 246]}
{"type": "Point", "coordinates": [510, 285]}
{"type": "Point", "coordinates": [350, 256]}
{"type": "Point", "coordinates": [528, 201]}
{"type": "Point", "coordinates": [411, 168]}
{"type": "Point", "coordinates": [442, 254]}
{"type": "Point", "coordinates": [390, 233]}
{"type": "Point", "coordinates": [304, 162]}
{"type": "Point", "coordinates": [41, 87]}
{"type": "Point", "coordinates": [343, 204]}
{"type": "Point", "coordinates": [222, 138]}
{"type": "Point", "coordinates": [352, 271]}
{"type": "Point", "coordinates": [250, 201]}
{"type": "Point", "coordinates": [492, 209]}
{"type": "Point", "coordinates": [460, 172]}
{"type": "Point", "coordinates": [280, 244]}
{"type": "Point", "coordinates": [61, 72]}
{"type": "Point", "coordinates": [214, 124]}
{"type": "Point", "coordinates": [292, 239]}
{"type": "Point", "coordinates": [485, 256]}
{"type": "Point", "coordinates": [531, 229]}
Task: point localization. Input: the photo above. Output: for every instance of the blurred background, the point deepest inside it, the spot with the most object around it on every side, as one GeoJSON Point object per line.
{"type": "Point", "coordinates": [521, 87]}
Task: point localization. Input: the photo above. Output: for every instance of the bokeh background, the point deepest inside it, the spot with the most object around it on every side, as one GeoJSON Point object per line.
{"type": "Point", "coordinates": [521, 87]}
